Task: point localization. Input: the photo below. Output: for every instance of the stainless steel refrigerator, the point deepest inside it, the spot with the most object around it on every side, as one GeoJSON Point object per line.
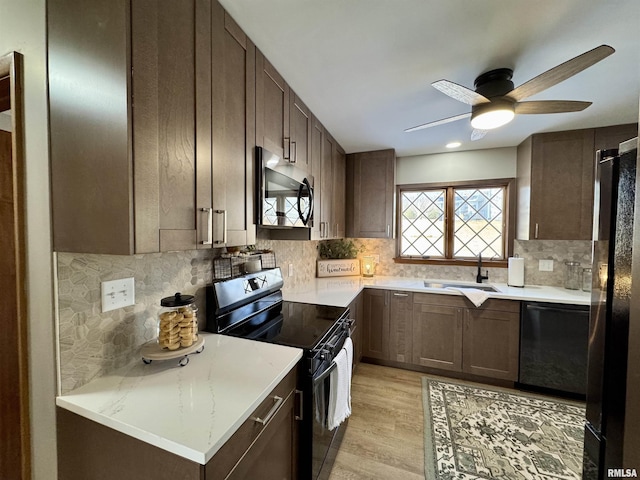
{"type": "Point", "coordinates": [615, 189]}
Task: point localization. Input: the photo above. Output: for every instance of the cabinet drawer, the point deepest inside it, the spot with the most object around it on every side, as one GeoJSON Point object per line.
{"type": "Point", "coordinates": [511, 306]}
{"type": "Point", "coordinates": [437, 299]}
{"type": "Point", "coordinates": [232, 451]}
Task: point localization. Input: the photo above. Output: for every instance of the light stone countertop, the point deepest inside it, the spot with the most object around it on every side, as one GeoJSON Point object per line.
{"type": "Point", "coordinates": [193, 410]}
{"type": "Point", "coordinates": [340, 291]}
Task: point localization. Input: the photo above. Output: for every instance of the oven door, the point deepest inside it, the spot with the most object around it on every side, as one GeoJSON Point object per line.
{"type": "Point", "coordinates": [325, 442]}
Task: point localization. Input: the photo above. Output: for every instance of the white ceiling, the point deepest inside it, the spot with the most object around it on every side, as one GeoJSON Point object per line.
{"type": "Point", "coordinates": [364, 67]}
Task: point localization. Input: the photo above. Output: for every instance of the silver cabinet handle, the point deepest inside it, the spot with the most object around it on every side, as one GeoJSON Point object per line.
{"type": "Point", "coordinates": [395, 294]}
{"type": "Point", "coordinates": [224, 226]}
{"type": "Point", "coordinates": [277, 401]}
{"type": "Point", "coordinates": [293, 153]}
{"type": "Point", "coordinates": [536, 232]}
{"type": "Point", "coordinates": [207, 240]}
{"type": "Point", "coordinates": [301, 405]}
{"type": "Point", "coordinates": [388, 231]}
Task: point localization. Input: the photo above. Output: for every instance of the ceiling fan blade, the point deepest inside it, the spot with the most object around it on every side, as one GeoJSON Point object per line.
{"type": "Point", "coordinates": [460, 93]}
{"type": "Point", "coordinates": [439, 122]}
{"type": "Point", "coordinates": [477, 134]}
{"type": "Point", "coordinates": [550, 106]}
{"type": "Point", "coordinates": [561, 72]}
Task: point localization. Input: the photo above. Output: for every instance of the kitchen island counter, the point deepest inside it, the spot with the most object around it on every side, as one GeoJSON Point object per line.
{"type": "Point", "coordinates": [340, 291]}
{"type": "Point", "coordinates": [190, 411]}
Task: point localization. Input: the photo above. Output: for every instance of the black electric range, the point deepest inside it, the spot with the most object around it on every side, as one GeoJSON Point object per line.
{"type": "Point", "coordinates": [252, 307]}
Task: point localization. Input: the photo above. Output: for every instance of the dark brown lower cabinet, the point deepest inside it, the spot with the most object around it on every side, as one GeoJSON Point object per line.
{"type": "Point", "coordinates": [443, 332]}
{"type": "Point", "coordinates": [400, 331]}
{"type": "Point", "coordinates": [356, 309]}
{"type": "Point", "coordinates": [90, 451]}
{"type": "Point", "coordinates": [375, 335]}
{"type": "Point", "coordinates": [449, 333]}
{"type": "Point", "coordinates": [437, 331]}
{"type": "Point", "coordinates": [491, 340]}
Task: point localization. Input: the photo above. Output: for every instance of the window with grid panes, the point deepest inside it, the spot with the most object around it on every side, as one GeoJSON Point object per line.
{"type": "Point", "coordinates": [454, 222]}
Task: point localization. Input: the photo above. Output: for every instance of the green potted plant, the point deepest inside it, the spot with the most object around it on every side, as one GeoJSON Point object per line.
{"type": "Point", "coordinates": [338, 258]}
{"type": "Point", "coordinates": [338, 249]}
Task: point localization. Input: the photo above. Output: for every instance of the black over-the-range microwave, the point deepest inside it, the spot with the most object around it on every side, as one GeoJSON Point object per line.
{"type": "Point", "coordinates": [285, 193]}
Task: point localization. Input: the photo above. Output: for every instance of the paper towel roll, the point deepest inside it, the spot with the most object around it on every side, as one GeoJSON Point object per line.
{"type": "Point", "coordinates": [516, 272]}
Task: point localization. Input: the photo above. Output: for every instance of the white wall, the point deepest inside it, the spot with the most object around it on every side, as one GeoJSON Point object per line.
{"type": "Point", "coordinates": [22, 29]}
{"type": "Point", "coordinates": [457, 166]}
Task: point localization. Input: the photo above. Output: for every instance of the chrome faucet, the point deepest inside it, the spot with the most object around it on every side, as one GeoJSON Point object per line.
{"type": "Point", "coordinates": [479, 276]}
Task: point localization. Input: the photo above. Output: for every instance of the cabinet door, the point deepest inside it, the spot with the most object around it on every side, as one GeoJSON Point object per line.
{"type": "Point", "coordinates": [400, 326]}
{"type": "Point", "coordinates": [437, 336]}
{"type": "Point", "coordinates": [370, 194]}
{"type": "Point", "coordinates": [272, 108]}
{"type": "Point", "coordinates": [233, 131]}
{"type": "Point", "coordinates": [339, 190]}
{"type": "Point", "coordinates": [326, 188]}
{"type": "Point", "coordinates": [375, 341]}
{"type": "Point", "coordinates": [317, 228]}
{"type": "Point", "coordinates": [89, 129]}
{"type": "Point", "coordinates": [163, 61]}
{"type": "Point", "coordinates": [562, 168]}
{"type": "Point", "coordinates": [300, 130]}
{"type": "Point", "coordinates": [492, 342]}
{"type": "Point", "coordinates": [272, 455]}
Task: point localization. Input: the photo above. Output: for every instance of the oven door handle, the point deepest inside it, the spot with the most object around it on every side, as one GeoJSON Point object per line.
{"type": "Point", "coordinates": [325, 374]}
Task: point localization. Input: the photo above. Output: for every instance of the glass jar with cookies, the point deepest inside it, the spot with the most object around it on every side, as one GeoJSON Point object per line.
{"type": "Point", "coordinates": [178, 322]}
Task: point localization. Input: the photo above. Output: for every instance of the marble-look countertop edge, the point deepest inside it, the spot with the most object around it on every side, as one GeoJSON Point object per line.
{"type": "Point", "coordinates": [341, 291]}
{"type": "Point", "coordinates": [89, 405]}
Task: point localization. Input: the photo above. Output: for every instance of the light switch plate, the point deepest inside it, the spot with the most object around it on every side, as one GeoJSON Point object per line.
{"type": "Point", "coordinates": [545, 265]}
{"type": "Point", "coordinates": [118, 294]}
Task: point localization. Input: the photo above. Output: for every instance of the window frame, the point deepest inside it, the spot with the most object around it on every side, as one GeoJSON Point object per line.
{"type": "Point", "coordinates": [508, 219]}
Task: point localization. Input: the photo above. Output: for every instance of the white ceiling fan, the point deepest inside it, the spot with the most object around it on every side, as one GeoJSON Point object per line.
{"type": "Point", "coordinates": [495, 101]}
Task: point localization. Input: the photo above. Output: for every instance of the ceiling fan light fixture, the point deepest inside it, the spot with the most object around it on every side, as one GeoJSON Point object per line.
{"type": "Point", "coordinates": [492, 115]}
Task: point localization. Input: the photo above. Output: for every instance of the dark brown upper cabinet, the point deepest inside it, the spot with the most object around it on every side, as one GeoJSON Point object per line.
{"type": "Point", "coordinates": [272, 109]}
{"type": "Point", "coordinates": [555, 174]}
{"type": "Point", "coordinates": [283, 121]}
{"type": "Point", "coordinates": [230, 82]}
{"type": "Point", "coordinates": [123, 125]}
{"type": "Point", "coordinates": [330, 186]}
{"type": "Point", "coordinates": [370, 194]}
{"type": "Point", "coordinates": [301, 124]}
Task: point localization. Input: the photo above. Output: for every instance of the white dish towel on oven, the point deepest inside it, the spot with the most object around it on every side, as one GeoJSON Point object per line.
{"type": "Point", "coordinates": [340, 386]}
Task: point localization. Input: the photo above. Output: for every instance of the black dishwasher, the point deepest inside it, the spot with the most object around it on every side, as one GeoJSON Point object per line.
{"type": "Point", "coordinates": [553, 347]}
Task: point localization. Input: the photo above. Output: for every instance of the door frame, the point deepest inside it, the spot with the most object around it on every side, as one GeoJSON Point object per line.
{"type": "Point", "coordinates": [19, 453]}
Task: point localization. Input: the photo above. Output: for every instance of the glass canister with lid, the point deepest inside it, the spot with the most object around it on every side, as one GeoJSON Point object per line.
{"type": "Point", "coordinates": [178, 322]}
{"type": "Point", "coordinates": [573, 276]}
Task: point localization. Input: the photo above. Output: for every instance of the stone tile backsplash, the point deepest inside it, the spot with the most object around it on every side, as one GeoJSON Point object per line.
{"type": "Point", "coordinates": [92, 343]}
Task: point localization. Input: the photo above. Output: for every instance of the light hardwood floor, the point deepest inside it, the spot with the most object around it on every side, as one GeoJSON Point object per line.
{"type": "Point", "coordinates": [384, 437]}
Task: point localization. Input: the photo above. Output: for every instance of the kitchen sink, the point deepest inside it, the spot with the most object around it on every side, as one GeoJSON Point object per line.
{"type": "Point", "coordinates": [478, 286]}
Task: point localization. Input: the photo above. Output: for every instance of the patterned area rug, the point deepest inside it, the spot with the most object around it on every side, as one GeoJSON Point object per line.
{"type": "Point", "coordinates": [492, 433]}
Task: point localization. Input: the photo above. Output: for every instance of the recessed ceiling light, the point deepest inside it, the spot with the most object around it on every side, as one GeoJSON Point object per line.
{"type": "Point", "coordinates": [453, 145]}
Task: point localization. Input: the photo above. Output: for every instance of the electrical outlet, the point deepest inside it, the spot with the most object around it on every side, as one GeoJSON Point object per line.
{"type": "Point", "coordinates": [118, 294]}
{"type": "Point", "coordinates": [545, 265]}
